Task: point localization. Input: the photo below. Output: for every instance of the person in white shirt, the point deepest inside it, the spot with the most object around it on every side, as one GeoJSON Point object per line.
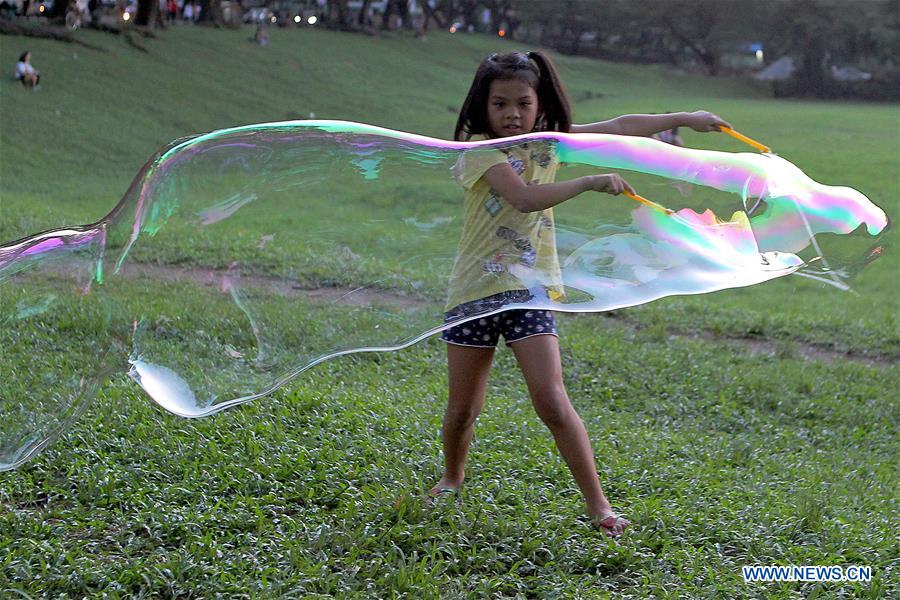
{"type": "Point", "coordinates": [26, 73]}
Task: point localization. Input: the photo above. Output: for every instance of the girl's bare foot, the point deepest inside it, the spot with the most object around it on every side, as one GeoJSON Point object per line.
{"type": "Point", "coordinates": [613, 525]}
{"type": "Point", "coordinates": [608, 521]}
{"type": "Point", "coordinates": [447, 485]}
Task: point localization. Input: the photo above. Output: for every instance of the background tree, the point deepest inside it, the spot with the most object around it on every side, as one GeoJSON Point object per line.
{"type": "Point", "coordinates": [820, 34]}
{"type": "Point", "coordinates": [528, 14]}
{"type": "Point", "coordinates": [211, 13]}
{"type": "Point", "coordinates": [399, 8]}
{"type": "Point", "coordinates": [364, 20]}
{"type": "Point", "coordinates": [433, 14]}
{"type": "Point", "coordinates": [337, 15]}
{"type": "Point", "coordinates": [695, 24]}
{"type": "Point", "coordinates": [58, 10]}
{"type": "Point", "coordinates": [469, 11]}
{"type": "Point", "coordinates": [502, 15]}
{"type": "Point", "coordinates": [147, 13]}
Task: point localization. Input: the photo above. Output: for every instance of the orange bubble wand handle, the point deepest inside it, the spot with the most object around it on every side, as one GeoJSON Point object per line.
{"type": "Point", "coordinates": [649, 203]}
{"type": "Point", "coordinates": [745, 139]}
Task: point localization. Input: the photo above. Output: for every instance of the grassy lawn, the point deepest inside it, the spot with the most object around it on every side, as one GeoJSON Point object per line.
{"type": "Point", "coordinates": [720, 457]}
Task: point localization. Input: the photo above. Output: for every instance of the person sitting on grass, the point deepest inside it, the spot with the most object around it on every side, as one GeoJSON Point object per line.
{"type": "Point", "coordinates": [27, 74]}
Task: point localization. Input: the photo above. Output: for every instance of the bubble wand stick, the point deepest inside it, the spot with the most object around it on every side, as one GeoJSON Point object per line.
{"type": "Point", "coordinates": [740, 136]}
{"type": "Point", "coordinates": [649, 203]}
{"type": "Point", "coordinates": [723, 128]}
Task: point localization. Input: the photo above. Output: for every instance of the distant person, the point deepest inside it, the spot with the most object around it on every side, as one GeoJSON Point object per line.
{"type": "Point", "coordinates": [197, 8]}
{"type": "Point", "coordinates": [171, 11]}
{"type": "Point", "coordinates": [669, 136]}
{"type": "Point", "coordinates": [77, 14]}
{"type": "Point", "coordinates": [27, 74]}
{"type": "Point", "coordinates": [262, 35]}
{"type": "Point", "coordinates": [187, 15]}
{"type": "Point", "coordinates": [7, 10]}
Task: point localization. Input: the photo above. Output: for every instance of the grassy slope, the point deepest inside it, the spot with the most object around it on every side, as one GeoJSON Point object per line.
{"type": "Point", "coordinates": [723, 460]}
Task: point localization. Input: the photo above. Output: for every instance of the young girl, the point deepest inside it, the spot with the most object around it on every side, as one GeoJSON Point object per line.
{"type": "Point", "coordinates": [508, 227]}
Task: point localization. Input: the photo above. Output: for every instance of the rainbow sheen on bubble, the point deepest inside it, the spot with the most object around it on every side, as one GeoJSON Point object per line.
{"type": "Point", "coordinates": [240, 258]}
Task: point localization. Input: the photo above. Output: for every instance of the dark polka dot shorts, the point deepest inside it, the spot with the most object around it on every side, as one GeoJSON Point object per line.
{"type": "Point", "coordinates": [485, 332]}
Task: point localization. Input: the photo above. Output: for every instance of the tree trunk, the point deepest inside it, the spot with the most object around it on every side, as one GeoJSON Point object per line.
{"type": "Point", "coordinates": [511, 26]}
{"type": "Point", "coordinates": [389, 7]}
{"type": "Point", "coordinates": [442, 13]}
{"type": "Point", "coordinates": [211, 12]}
{"type": "Point", "coordinates": [811, 79]}
{"type": "Point", "coordinates": [403, 12]}
{"type": "Point", "coordinates": [364, 21]}
{"type": "Point", "coordinates": [427, 15]}
{"type": "Point", "coordinates": [57, 11]}
{"type": "Point", "coordinates": [494, 7]}
{"type": "Point", "coordinates": [709, 58]}
{"type": "Point", "coordinates": [338, 15]}
{"type": "Point", "coordinates": [147, 13]}
{"type": "Point", "coordinates": [469, 9]}
{"type": "Point", "coordinates": [503, 9]}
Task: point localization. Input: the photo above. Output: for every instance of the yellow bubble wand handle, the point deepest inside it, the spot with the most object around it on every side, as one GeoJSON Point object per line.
{"type": "Point", "coordinates": [649, 203]}
{"type": "Point", "coordinates": [745, 139]}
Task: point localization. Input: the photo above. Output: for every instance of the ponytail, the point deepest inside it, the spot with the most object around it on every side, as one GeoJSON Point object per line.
{"type": "Point", "coordinates": [556, 111]}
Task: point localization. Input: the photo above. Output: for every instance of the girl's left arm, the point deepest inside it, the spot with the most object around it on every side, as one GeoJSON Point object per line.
{"type": "Point", "coordinates": [645, 125]}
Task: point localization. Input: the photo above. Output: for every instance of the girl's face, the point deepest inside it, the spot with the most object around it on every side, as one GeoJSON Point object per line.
{"type": "Point", "coordinates": [512, 107]}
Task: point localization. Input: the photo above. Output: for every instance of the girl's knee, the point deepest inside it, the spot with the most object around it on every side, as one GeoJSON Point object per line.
{"type": "Point", "coordinates": [553, 407]}
{"type": "Point", "coordinates": [461, 418]}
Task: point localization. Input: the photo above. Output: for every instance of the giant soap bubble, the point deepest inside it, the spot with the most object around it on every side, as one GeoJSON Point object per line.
{"type": "Point", "coordinates": [240, 258]}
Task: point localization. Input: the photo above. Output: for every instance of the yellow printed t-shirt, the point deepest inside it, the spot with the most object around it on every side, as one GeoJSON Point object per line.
{"type": "Point", "coordinates": [502, 249]}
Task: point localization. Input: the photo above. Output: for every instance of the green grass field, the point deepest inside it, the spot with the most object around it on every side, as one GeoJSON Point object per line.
{"type": "Point", "coordinates": [721, 457]}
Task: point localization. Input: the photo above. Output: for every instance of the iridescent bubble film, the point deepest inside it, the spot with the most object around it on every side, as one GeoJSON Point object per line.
{"type": "Point", "coordinates": [240, 258]}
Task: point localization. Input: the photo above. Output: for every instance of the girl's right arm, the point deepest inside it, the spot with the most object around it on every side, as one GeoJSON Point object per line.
{"type": "Point", "coordinates": [531, 198]}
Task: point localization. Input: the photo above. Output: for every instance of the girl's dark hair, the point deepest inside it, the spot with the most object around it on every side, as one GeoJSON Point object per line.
{"type": "Point", "coordinates": [535, 69]}
{"type": "Point", "coordinates": [24, 54]}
